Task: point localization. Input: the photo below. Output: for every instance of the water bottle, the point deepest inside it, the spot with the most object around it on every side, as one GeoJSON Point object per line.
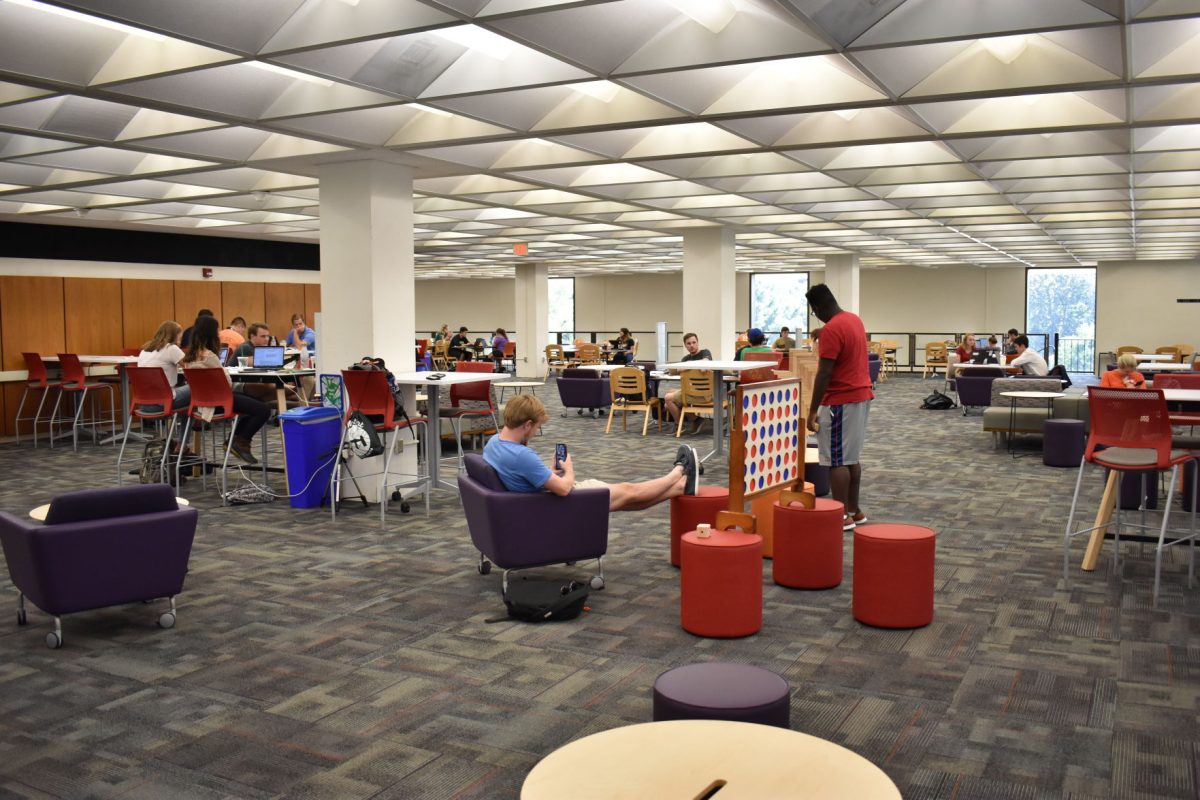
{"type": "Point", "coordinates": [303, 356]}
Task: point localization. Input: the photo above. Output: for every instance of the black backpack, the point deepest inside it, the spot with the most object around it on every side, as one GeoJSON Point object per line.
{"type": "Point", "coordinates": [533, 599]}
{"type": "Point", "coordinates": [938, 402]}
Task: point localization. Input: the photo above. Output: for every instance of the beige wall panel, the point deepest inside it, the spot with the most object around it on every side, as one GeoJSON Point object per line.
{"type": "Point", "coordinates": [191, 296]}
{"type": "Point", "coordinates": [283, 300]}
{"type": "Point", "coordinates": [144, 306]}
{"type": "Point", "coordinates": [1136, 304]}
{"type": "Point", "coordinates": [481, 305]}
{"type": "Point", "coordinates": [242, 300]}
{"type": "Point", "coordinates": [92, 315]}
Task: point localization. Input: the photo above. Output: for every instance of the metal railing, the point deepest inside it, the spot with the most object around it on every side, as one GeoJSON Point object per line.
{"type": "Point", "coordinates": [1076, 353]}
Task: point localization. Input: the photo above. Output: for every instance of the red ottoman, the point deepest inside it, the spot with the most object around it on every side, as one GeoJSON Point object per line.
{"type": "Point", "coordinates": [688, 511]}
{"type": "Point", "coordinates": [893, 575]}
{"type": "Point", "coordinates": [762, 507]}
{"type": "Point", "coordinates": [720, 584]}
{"type": "Point", "coordinates": [808, 545]}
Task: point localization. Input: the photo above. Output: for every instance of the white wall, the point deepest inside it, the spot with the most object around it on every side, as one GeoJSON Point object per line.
{"type": "Point", "coordinates": [481, 304]}
{"type": "Point", "coordinates": [41, 267]}
{"type": "Point", "coordinates": [951, 300]}
{"type": "Point", "coordinates": [1135, 304]}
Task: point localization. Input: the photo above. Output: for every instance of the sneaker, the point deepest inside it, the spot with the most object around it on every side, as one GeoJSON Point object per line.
{"type": "Point", "coordinates": [686, 458]}
{"type": "Point", "coordinates": [859, 517]}
{"type": "Point", "coordinates": [241, 448]}
{"type": "Point", "coordinates": [847, 523]}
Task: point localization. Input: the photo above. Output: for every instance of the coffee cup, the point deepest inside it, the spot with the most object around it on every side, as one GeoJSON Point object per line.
{"type": "Point", "coordinates": [243, 361]}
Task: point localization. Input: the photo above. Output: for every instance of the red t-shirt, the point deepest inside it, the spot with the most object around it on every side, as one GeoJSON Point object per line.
{"type": "Point", "coordinates": [844, 340]}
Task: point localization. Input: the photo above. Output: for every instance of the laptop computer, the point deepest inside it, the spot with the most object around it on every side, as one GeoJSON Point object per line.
{"type": "Point", "coordinates": [267, 359]}
{"type": "Point", "coordinates": [223, 355]}
{"type": "Point", "coordinates": [983, 356]}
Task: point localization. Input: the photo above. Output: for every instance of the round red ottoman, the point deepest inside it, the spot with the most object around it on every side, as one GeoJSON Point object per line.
{"type": "Point", "coordinates": [720, 584]}
{"type": "Point", "coordinates": [688, 511]}
{"type": "Point", "coordinates": [893, 575]}
{"type": "Point", "coordinates": [762, 507]}
{"type": "Point", "coordinates": [808, 545]}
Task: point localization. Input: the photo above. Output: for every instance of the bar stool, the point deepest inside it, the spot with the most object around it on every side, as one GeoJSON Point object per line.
{"type": "Point", "coordinates": [75, 382]}
{"type": "Point", "coordinates": [210, 389]}
{"type": "Point", "coordinates": [38, 380]}
{"type": "Point", "coordinates": [480, 391]}
{"type": "Point", "coordinates": [149, 388]}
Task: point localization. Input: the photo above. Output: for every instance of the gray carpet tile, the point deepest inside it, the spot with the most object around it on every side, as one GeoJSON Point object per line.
{"type": "Point", "coordinates": [341, 659]}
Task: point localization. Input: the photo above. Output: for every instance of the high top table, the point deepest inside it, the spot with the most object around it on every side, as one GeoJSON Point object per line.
{"type": "Point", "coordinates": [718, 368]}
{"type": "Point", "coordinates": [278, 377]}
{"type": "Point", "coordinates": [1154, 366]}
{"type": "Point", "coordinates": [423, 379]}
{"type": "Point", "coordinates": [697, 758]}
{"type": "Point", "coordinates": [120, 362]}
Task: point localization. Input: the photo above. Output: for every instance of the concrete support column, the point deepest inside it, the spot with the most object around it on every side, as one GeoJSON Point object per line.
{"type": "Point", "coordinates": [841, 276]}
{"type": "Point", "coordinates": [532, 319]}
{"type": "Point", "coordinates": [709, 289]}
{"type": "Point", "coordinates": [367, 297]}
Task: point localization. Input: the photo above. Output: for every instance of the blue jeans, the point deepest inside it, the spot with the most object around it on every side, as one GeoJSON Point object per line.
{"type": "Point", "coordinates": [183, 396]}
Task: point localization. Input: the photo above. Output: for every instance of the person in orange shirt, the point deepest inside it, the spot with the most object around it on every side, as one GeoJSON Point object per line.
{"type": "Point", "coordinates": [1125, 376]}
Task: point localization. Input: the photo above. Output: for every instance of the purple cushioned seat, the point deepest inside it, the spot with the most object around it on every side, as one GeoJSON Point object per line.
{"type": "Point", "coordinates": [1062, 442]}
{"type": "Point", "coordinates": [724, 691]}
{"type": "Point", "coordinates": [818, 474]}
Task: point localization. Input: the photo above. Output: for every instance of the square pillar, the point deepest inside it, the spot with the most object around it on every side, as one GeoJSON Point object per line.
{"type": "Point", "coordinates": [709, 288]}
{"type": "Point", "coordinates": [532, 319]}
{"type": "Point", "coordinates": [841, 276]}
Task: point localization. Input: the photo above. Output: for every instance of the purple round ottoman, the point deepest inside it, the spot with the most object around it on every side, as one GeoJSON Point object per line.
{"type": "Point", "coordinates": [819, 475]}
{"type": "Point", "coordinates": [1062, 442]}
{"type": "Point", "coordinates": [724, 691]}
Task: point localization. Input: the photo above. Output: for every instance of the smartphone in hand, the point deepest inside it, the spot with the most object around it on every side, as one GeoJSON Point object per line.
{"type": "Point", "coordinates": [560, 454]}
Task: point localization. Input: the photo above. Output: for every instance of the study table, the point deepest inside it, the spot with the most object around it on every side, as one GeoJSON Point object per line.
{"type": "Point", "coordinates": [1150, 366]}
{"type": "Point", "coordinates": [120, 362]}
{"type": "Point", "coordinates": [705, 758]}
{"type": "Point", "coordinates": [278, 377]}
{"type": "Point", "coordinates": [426, 380]}
{"type": "Point", "coordinates": [718, 368]}
{"type": "Point", "coordinates": [1154, 357]}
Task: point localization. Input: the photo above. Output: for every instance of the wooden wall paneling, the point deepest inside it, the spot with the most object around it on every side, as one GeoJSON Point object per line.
{"type": "Point", "coordinates": [93, 327]}
{"type": "Point", "coordinates": [312, 301]}
{"type": "Point", "coordinates": [31, 319]}
{"type": "Point", "coordinates": [283, 300]}
{"type": "Point", "coordinates": [144, 306]}
{"type": "Point", "coordinates": [242, 300]}
{"type": "Point", "coordinates": [191, 296]}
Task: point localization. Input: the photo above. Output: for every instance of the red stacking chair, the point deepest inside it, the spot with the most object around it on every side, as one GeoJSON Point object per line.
{"type": "Point", "coordinates": [367, 391]}
{"type": "Point", "coordinates": [38, 380]}
{"type": "Point", "coordinates": [767, 373]}
{"type": "Point", "coordinates": [480, 391]}
{"type": "Point", "coordinates": [76, 383]}
{"type": "Point", "coordinates": [148, 387]}
{"type": "Point", "coordinates": [1134, 428]}
{"type": "Point", "coordinates": [211, 389]}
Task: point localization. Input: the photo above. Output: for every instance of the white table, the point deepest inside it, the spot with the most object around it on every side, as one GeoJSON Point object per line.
{"type": "Point", "coordinates": [1156, 367]}
{"type": "Point", "coordinates": [532, 386]}
{"type": "Point", "coordinates": [1012, 413]}
{"type": "Point", "coordinates": [718, 368]}
{"type": "Point", "coordinates": [1155, 357]}
{"type": "Point", "coordinates": [1181, 395]}
{"type": "Point", "coordinates": [604, 367]}
{"type": "Point", "coordinates": [120, 362]}
{"type": "Point", "coordinates": [422, 379]}
{"type": "Point", "coordinates": [41, 511]}
{"type": "Point", "coordinates": [276, 376]}
{"type": "Point", "coordinates": [688, 758]}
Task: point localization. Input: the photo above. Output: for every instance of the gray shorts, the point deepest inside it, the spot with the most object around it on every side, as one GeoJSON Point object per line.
{"type": "Point", "coordinates": [843, 431]}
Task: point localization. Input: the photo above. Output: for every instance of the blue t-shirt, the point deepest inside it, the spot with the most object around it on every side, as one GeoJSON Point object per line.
{"type": "Point", "coordinates": [309, 337]}
{"type": "Point", "coordinates": [519, 468]}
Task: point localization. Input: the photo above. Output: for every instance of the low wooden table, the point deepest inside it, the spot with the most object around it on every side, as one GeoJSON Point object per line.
{"type": "Point", "coordinates": [41, 511]}
{"type": "Point", "coordinates": [692, 758]}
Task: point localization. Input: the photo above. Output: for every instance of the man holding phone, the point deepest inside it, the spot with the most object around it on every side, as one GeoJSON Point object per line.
{"type": "Point", "coordinates": [521, 470]}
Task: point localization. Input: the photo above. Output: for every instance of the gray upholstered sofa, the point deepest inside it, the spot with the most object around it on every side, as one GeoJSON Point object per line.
{"type": "Point", "coordinates": [1031, 413]}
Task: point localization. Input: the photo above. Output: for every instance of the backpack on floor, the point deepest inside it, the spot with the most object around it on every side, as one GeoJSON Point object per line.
{"type": "Point", "coordinates": [938, 402]}
{"type": "Point", "coordinates": [533, 599]}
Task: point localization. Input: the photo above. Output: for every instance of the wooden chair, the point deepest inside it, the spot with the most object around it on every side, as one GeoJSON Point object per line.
{"type": "Point", "coordinates": [1186, 353]}
{"type": "Point", "coordinates": [1129, 348]}
{"type": "Point", "coordinates": [695, 395]}
{"type": "Point", "coordinates": [1170, 350]}
{"type": "Point", "coordinates": [889, 355]}
{"type": "Point", "coordinates": [629, 393]}
{"type": "Point", "coordinates": [878, 349]}
{"type": "Point", "coordinates": [936, 355]}
{"type": "Point", "coordinates": [556, 359]}
{"type": "Point", "coordinates": [442, 359]}
{"type": "Point", "coordinates": [587, 354]}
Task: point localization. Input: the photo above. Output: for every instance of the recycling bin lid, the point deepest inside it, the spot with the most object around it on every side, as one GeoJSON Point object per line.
{"type": "Point", "coordinates": [310, 413]}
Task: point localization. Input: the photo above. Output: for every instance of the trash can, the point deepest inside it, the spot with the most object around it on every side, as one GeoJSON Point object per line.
{"type": "Point", "coordinates": [310, 441]}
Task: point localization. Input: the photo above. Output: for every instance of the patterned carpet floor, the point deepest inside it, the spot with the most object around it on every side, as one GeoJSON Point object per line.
{"type": "Point", "coordinates": [320, 659]}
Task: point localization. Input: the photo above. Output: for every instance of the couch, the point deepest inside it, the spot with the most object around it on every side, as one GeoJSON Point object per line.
{"type": "Point", "coordinates": [100, 548]}
{"type": "Point", "coordinates": [1031, 413]}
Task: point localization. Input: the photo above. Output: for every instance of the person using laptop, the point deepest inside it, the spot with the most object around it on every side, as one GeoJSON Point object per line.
{"type": "Point", "coordinates": [1029, 360]}
{"type": "Point", "coordinates": [202, 353]}
{"type": "Point", "coordinates": [966, 350]}
{"type": "Point", "coordinates": [257, 335]}
{"type": "Point", "coordinates": [521, 470]}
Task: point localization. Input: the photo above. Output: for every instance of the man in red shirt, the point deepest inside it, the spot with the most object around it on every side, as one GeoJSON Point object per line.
{"type": "Point", "coordinates": [841, 399]}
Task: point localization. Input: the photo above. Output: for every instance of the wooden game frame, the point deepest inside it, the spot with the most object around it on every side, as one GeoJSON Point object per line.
{"type": "Point", "coordinates": [737, 443]}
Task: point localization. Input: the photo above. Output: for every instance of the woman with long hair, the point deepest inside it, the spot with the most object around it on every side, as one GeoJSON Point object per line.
{"type": "Point", "coordinates": [163, 351]}
{"type": "Point", "coordinates": [202, 352]}
{"type": "Point", "coordinates": [499, 342]}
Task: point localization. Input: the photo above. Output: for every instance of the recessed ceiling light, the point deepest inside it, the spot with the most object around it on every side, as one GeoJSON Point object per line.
{"type": "Point", "coordinates": [430, 109]}
{"type": "Point", "coordinates": [604, 91]}
{"type": "Point", "coordinates": [1006, 49]}
{"type": "Point", "coordinates": [474, 37]}
{"type": "Point", "coordinates": [79, 17]}
{"type": "Point", "coordinates": [847, 114]}
{"type": "Point", "coordinates": [712, 14]}
{"type": "Point", "coordinates": [289, 73]}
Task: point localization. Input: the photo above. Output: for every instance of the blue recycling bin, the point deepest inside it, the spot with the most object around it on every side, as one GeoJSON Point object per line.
{"type": "Point", "coordinates": [310, 441]}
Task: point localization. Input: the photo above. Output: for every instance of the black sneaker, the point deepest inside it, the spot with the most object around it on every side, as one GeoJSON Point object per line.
{"type": "Point", "coordinates": [241, 449]}
{"type": "Point", "coordinates": [686, 458]}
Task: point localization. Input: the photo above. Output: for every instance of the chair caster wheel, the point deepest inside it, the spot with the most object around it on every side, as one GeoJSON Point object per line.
{"type": "Point", "coordinates": [22, 619]}
{"type": "Point", "coordinates": [484, 567]}
{"type": "Point", "coordinates": [580, 412]}
{"type": "Point", "coordinates": [167, 620]}
{"type": "Point", "coordinates": [405, 508]}
{"type": "Point", "coordinates": [597, 582]}
{"type": "Point", "coordinates": [52, 641]}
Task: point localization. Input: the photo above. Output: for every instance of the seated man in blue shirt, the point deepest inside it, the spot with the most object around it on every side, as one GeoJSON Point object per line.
{"type": "Point", "coordinates": [301, 334]}
{"type": "Point", "coordinates": [521, 470]}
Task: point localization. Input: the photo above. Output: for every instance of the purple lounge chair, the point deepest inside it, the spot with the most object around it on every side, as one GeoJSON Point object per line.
{"type": "Point", "coordinates": [584, 388]}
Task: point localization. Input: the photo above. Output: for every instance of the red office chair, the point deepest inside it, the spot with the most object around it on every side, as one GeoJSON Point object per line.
{"type": "Point", "coordinates": [210, 389]}
{"type": "Point", "coordinates": [368, 391]}
{"type": "Point", "coordinates": [480, 391]}
{"type": "Point", "coordinates": [148, 387]}
{"type": "Point", "coordinates": [38, 380]}
{"type": "Point", "coordinates": [76, 383]}
{"type": "Point", "coordinates": [1133, 425]}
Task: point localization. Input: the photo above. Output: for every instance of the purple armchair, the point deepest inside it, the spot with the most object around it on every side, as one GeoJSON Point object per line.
{"type": "Point", "coordinates": [520, 530]}
{"type": "Point", "coordinates": [584, 388]}
{"type": "Point", "coordinates": [99, 548]}
{"type": "Point", "coordinates": [974, 386]}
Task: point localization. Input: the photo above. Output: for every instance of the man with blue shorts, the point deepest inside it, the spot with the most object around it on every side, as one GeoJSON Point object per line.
{"type": "Point", "coordinates": [841, 399]}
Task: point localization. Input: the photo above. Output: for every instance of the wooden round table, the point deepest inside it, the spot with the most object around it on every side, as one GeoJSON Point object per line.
{"type": "Point", "coordinates": [41, 511]}
{"type": "Point", "coordinates": [690, 758]}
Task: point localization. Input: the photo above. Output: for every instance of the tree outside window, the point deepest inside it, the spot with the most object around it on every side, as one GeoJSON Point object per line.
{"type": "Point", "coordinates": [1063, 301]}
{"type": "Point", "coordinates": [561, 302]}
{"type": "Point", "coordinates": [777, 300]}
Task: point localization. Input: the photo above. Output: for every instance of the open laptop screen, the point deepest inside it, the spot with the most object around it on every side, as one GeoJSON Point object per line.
{"type": "Point", "coordinates": [224, 356]}
{"type": "Point", "coordinates": [268, 357]}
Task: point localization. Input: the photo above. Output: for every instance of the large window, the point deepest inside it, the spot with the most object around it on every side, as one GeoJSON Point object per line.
{"type": "Point", "coordinates": [1063, 302]}
{"type": "Point", "coordinates": [562, 308]}
{"type": "Point", "coordinates": [777, 300]}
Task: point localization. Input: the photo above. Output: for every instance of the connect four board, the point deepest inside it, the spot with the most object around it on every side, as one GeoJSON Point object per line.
{"type": "Point", "coordinates": [768, 439]}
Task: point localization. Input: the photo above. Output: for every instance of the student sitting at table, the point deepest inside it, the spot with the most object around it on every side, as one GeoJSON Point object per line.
{"type": "Point", "coordinates": [163, 351]}
{"type": "Point", "coordinates": [499, 342]}
{"type": "Point", "coordinates": [755, 344]}
{"type": "Point", "coordinates": [442, 333]}
{"type": "Point", "coordinates": [202, 352]}
{"type": "Point", "coordinates": [623, 348]}
{"type": "Point", "coordinates": [1125, 376]}
{"type": "Point", "coordinates": [257, 335]}
{"type": "Point", "coordinates": [691, 343]}
{"type": "Point", "coordinates": [785, 340]}
{"type": "Point", "coordinates": [460, 345]}
{"type": "Point", "coordinates": [1029, 360]}
{"type": "Point", "coordinates": [966, 350]}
